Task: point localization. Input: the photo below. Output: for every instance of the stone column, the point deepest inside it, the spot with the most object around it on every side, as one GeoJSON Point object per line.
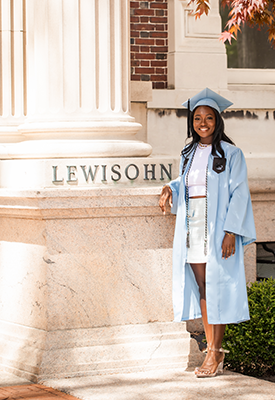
{"type": "Point", "coordinates": [196, 56]}
{"type": "Point", "coordinates": [85, 264]}
{"type": "Point", "coordinates": [13, 68]}
{"type": "Point", "coordinates": [78, 81]}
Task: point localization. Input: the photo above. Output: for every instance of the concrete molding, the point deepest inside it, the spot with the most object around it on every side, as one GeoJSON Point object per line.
{"type": "Point", "coordinates": [56, 203]}
{"type": "Point", "coordinates": [252, 77]}
{"type": "Point", "coordinates": [39, 149]}
{"type": "Point", "coordinates": [97, 351]}
{"type": "Point", "coordinates": [252, 98]}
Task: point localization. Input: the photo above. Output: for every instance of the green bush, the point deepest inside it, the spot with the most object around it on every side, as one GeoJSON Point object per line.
{"type": "Point", "coordinates": [252, 343]}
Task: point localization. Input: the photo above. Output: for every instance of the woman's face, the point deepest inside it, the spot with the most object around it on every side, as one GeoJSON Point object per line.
{"type": "Point", "coordinates": [204, 123]}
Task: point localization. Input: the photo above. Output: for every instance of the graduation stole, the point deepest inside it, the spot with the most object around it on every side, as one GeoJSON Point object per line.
{"type": "Point", "coordinates": [184, 165]}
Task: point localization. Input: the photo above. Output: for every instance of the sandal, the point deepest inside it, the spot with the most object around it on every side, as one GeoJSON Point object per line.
{"type": "Point", "coordinates": [204, 351]}
{"type": "Point", "coordinates": [204, 372]}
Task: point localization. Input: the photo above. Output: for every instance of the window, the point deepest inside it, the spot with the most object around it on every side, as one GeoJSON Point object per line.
{"type": "Point", "coordinates": [265, 260]}
{"type": "Point", "coordinates": [252, 48]}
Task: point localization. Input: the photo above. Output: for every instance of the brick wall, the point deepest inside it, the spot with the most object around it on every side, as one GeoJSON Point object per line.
{"type": "Point", "coordinates": [149, 42]}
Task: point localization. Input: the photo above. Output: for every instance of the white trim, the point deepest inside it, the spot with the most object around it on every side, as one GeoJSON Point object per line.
{"type": "Point", "coordinates": [243, 97]}
{"type": "Point", "coordinates": [243, 76]}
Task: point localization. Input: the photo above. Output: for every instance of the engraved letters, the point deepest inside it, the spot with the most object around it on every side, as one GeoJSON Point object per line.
{"type": "Point", "coordinates": [55, 180]}
{"type": "Point", "coordinates": [92, 174]}
{"type": "Point", "coordinates": [127, 172]}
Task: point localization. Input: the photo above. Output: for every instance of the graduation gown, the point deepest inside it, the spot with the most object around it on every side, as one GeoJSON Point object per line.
{"type": "Point", "coordinates": [229, 209]}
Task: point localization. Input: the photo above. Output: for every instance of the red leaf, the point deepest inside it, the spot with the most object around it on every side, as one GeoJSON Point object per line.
{"type": "Point", "coordinates": [227, 36]}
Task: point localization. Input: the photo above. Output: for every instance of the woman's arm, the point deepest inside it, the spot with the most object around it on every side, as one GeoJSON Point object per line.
{"type": "Point", "coordinates": [170, 193]}
{"type": "Point", "coordinates": [166, 195]}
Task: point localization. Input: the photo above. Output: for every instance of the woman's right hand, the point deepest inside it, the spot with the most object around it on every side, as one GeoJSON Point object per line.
{"type": "Point", "coordinates": [166, 194]}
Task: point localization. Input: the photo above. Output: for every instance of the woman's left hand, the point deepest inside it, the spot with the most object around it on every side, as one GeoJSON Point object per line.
{"type": "Point", "coordinates": [228, 246]}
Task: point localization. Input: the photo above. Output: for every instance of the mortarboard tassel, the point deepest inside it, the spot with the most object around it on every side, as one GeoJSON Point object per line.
{"type": "Point", "coordinates": [188, 120]}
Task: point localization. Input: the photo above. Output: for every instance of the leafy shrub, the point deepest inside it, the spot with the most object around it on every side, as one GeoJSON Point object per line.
{"type": "Point", "coordinates": [252, 343]}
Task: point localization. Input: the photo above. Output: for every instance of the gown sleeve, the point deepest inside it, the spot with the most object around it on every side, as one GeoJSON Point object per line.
{"type": "Point", "coordinates": [239, 218]}
{"type": "Point", "coordinates": [175, 186]}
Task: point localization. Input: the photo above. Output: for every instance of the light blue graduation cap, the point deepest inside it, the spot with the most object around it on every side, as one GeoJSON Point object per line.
{"type": "Point", "coordinates": [206, 98]}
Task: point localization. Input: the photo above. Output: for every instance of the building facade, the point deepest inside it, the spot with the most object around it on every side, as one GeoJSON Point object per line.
{"type": "Point", "coordinates": [91, 127]}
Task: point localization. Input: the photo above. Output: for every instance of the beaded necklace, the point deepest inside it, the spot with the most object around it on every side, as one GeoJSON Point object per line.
{"type": "Point", "coordinates": [202, 145]}
{"type": "Point", "coordinates": [187, 202]}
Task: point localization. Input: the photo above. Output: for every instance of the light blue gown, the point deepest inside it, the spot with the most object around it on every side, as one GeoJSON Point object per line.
{"type": "Point", "coordinates": [229, 209]}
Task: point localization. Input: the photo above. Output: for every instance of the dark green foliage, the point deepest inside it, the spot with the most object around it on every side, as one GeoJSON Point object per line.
{"type": "Point", "coordinates": [252, 343]}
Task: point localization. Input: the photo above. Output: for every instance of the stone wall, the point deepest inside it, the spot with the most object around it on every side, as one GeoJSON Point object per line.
{"type": "Point", "coordinates": [149, 42]}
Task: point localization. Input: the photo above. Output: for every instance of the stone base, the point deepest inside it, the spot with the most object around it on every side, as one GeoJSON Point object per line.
{"type": "Point", "coordinates": [36, 355]}
{"type": "Point", "coordinates": [85, 283]}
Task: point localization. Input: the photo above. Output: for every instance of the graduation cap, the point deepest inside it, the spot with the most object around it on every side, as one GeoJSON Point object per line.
{"type": "Point", "coordinates": [205, 98]}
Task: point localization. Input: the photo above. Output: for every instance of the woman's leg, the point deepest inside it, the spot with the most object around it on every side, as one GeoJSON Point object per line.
{"type": "Point", "coordinates": [218, 333]}
{"type": "Point", "coordinates": [199, 272]}
{"type": "Point", "coordinates": [214, 333]}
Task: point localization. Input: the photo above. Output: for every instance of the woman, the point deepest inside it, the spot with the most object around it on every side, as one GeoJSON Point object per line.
{"type": "Point", "coordinates": [214, 221]}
